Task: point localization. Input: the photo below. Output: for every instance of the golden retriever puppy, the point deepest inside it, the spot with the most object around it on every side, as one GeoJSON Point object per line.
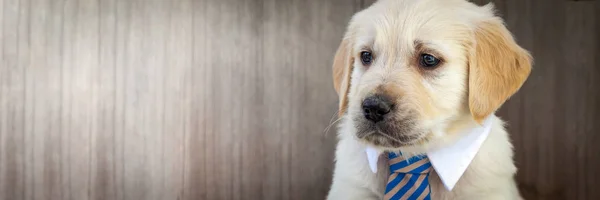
{"type": "Point", "coordinates": [412, 76]}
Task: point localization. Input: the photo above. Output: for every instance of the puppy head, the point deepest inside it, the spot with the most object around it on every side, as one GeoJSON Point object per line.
{"type": "Point", "coordinates": [407, 71]}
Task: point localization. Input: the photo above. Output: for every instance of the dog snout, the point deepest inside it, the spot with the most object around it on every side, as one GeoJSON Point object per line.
{"type": "Point", "coordinates": [375, 107]}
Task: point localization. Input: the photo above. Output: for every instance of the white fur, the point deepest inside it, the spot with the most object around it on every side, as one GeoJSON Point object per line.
{"type": "Point", "coordinates": [490, 175]}
{"type": "Point", "coordinates": [389, 28]}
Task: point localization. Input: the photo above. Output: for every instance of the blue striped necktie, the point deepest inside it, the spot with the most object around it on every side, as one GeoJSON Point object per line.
{"type": "Point", "coordinates": [408, 178]}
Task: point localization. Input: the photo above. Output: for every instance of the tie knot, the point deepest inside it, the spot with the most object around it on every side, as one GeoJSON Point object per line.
{"type": "Point", "coordinates": [411, 165]}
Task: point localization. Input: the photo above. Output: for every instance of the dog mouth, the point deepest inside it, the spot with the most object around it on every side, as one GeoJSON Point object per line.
{"type": "Point", "coordinates": [378, 138]}
{"type": "Point", "coordinates": [389, 133]}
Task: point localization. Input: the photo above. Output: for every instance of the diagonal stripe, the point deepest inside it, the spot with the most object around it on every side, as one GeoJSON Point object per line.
{"type": "Point", "coordinates": [413, 166]}
{"type": "Point", "coordinates": [406, 187]}
{"type": "Point", "coordinates": [404, 163]}
{"type": "Point", "coordinates": [426, 195]}
{"type": "Point", "coordinates": [422, 190]}
{"type": "Point", "coordinates": [423, 169]}
{"type": "Point", "coordinates": [391, 191]}
{"type": "Point", "coordinates": [411, 192]}
{"type": "Point", "coordinates": [393, 181]}
{"type": "Point", "coordinates": [396, 160]}
{"type": "Point", "coordinates": [392, 178]}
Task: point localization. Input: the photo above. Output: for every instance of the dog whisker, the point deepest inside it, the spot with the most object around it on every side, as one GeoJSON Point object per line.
{"type": "Point", "coordinates": [331, 123]}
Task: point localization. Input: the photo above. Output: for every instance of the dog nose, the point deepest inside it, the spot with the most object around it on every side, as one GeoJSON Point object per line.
{"type": "Point", "coordinates": [375, 107]}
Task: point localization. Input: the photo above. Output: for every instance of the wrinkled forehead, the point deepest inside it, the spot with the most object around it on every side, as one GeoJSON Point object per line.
{"type": "Point", "coordinates": [397, 28]}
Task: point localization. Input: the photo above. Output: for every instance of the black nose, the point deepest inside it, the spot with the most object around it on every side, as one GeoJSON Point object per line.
{"type": "Point", "coordinates": [375, 107]}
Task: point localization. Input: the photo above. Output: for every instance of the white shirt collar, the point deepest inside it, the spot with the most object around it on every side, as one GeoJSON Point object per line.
{"type": "Point", "coordinates": [449, 162]}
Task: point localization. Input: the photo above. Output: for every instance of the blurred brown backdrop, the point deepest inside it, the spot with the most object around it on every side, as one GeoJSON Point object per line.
{"type": "Point", "coordinates": [230, 99]}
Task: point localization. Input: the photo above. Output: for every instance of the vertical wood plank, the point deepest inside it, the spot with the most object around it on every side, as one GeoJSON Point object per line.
{"type": "Point", "coordinates": [65, 101]}
{"type": "Point", "coordinates": [13, 93]}
{"type": "Point", "coordinates": [580, 114]}
{"type": "Point", "coordinates": [196, 148]}
{"type": "Point", "coordinates": [226, 40]}
{"type": "Point", "coordinates": [298, 70]}
{"type": "Point", "coordinates": [177, 87]}
{"type": "Point", "coordinates": [151, 84]}
{"type": "Point", "coordinates": [592, 148]}
{"type": "Point", "coordinates": [548, 20]}
{"type": "Point", "coordinates": [134, 139]}
{"type": "Point", "coordinates": [24, 50]}
{"type": "Point", "coordinates": [45, 69]}
{"type": "Point", "coordinates": [123, 27]}
{"type": "Point", "coordinates": [136, 94]}
{"type": "Point", "coordinates": [3, 104]}
{"type": "Point", "coordinates": [254, 105]}
{"type": "Point", "coordinates": [594, 138]}
{"type": "Point", "coordinates": [103, 159]}
{"type": "Point", "coordinates": [69, 13]}
{"type": "Point", "coordinates": [277, 162]}
{"type": "Point", "coordinates": [52, 151]}
{"type": "Point", "coordinates": [80, 60]}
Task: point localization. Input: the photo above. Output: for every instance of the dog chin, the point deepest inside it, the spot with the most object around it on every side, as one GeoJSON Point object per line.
{"type": "Point", "coordinates": [389, 134]}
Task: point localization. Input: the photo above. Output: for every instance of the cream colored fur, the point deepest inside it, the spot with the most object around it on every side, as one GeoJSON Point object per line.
{"type": "Point", "coordinates": [482, 67]}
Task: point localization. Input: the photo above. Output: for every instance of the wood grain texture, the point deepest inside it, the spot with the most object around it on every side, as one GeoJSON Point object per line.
{"type": "Point", "coordinates": [229, 99]}
{"type": "Point", "coordinates": [181, 99]}
{"type": "Point", "coordinates": [582, 114]}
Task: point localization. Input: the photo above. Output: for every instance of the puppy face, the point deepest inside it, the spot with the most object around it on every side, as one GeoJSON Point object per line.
{"type": "Point", "coordinates": [408, 71]}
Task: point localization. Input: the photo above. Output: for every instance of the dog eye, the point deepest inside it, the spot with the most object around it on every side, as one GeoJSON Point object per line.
{"type": "Point", "coordinates": [366, 58]}
{"type": "Point", "coordinates": [427, 60]}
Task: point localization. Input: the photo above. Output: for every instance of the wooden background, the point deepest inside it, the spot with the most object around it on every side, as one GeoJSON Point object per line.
{"type": "Point", "coordinates": [230, 99]}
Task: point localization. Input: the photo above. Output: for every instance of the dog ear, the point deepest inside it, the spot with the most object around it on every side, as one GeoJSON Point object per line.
{"type": "Point", "coordinates": [498, 67]}
{"type": "Point", "coordinates": [342, 71]}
